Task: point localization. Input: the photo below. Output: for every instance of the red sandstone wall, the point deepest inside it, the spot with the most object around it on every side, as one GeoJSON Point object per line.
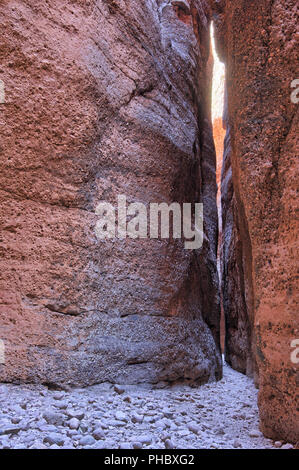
{"type": "Point", "coordinates": [104, 98]}
{"type": "Point", "coordinates": [257, 41]}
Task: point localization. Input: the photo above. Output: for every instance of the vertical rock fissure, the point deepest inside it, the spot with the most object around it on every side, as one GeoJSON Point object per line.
{"type": "Point", "coordinates": [217, 115]}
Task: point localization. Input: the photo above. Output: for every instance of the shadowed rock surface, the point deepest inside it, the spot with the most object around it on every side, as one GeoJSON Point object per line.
{"type": "Point", "coordinates": [260, 200]}
{"type": "Point", "coordinates": [105, 98]}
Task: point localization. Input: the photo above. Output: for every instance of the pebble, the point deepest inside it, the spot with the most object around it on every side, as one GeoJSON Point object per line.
{"type": "Point", "coordinates": [53, 418]}
{"type": "Point", "coordinates": [287, 446]}
{"type": "Point", "coordinates": [54, 438]}
{"type": "Point", "coordinates": [74, 423]}
{"type": "Point", "coordinates": [147, 440]}
{"type": "Point", "coordinates": [193, 427]}
{"type": "Point", "coordinates": [127, 398]}
{"type": "Point", "coordinates": [255, 433]}
{"type": "Point", "coordinates": [120, 416]}
{"type": "Point", "coordinates": [136, 418]}
{"type": "Point", "coordinates": [137, 445]}
{"type": "Point", "coordinates": [169, 444]}
{"type": "Point", "coordinates": [167, 413]}
{"type": "Point", "coordinates": [87, 441]}
{"type": "Point", "coordinates": [237, 443]}
{"type": "Point", "coordinates": [75, 414]}
{"type": "Point", "coordinates": [118, 389]}
{"type": "Point", "coordinates": [58, 395]}
{"type": "Point", "coordinates": [277, 444]}
{"type": "Point", "coordinates": [125, 446]}
{"type": "Point", "coordinates": [98, 434]}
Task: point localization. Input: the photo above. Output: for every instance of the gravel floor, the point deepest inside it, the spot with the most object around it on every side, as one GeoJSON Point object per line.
{"type": "Point", "coordinates": [222, 415]}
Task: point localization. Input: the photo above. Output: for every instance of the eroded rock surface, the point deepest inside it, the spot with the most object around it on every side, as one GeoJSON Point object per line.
{"type": "Point", "coordinates": [104, 98]}
{"type": "Point", "coordinates": [260, 288]}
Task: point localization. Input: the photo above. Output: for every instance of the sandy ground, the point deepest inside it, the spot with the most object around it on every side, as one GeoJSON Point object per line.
{"type": "Point", "coordinates": [215, 416]}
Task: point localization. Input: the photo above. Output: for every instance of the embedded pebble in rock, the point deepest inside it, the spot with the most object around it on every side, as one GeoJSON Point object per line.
{"type": "Point", "coordinates": [153, 418]}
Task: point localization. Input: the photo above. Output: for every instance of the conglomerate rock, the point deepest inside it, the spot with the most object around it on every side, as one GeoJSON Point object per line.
{"type": "Point", "coordinates": [105, 98]}
{"type": "Point", "coordinates": [257, 40]}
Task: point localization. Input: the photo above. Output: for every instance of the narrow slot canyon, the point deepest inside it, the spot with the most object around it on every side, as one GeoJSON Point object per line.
{"type": "Point", "coordinates": [127, 322]}
{"type": "Point", "coordinates": [217, 111]}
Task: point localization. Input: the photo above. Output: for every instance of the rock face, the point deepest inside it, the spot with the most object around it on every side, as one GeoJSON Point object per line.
{"type": "Point", "coordinates": [259, 186]}
{"type": "Point", "coordinates": [105, 98]}
{"type": "Point", "coordinates": [238, 325]}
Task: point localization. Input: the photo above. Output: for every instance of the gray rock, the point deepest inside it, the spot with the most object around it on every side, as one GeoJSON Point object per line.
{"type": "Point", "coordinates": [115, 423]}
{"type": "Point", "coordinates": [167, 413]}
{"type": "Point", "coordinates": [165, 436]}
{"type": "Point", "coordinates": [193, 427]}
{"type": "Point", "coordinates": [136, 418]}
{"type": "Point", "coordinates": [125, 445]}
{"type": "Point", "coordinates": [169, 444]}
{"type": "Point", "coordinates": [15, 420]}
{"type": "Point", "coordinates": [237, 443]}
{"type": "Point", "coordinates": [137, 445]}
{"type": "Point", "coordinates": [62, 405]}
{"type": "Point", "coordinates": [277, 444]}
{"type": "Point", "coordinates": [53, 418]}
{"type": "Point", "coordinates": [12, 429]}
{"type": "Point", "coordinates": [71, 413]}
{"type": "Point", "coordinates": [145, 439]}
{"type": "Point", "coordinates": [119, 389]}
{"type": "Point", "coordinates": [54, 438]}
{"type": "Point", "coordinates": [74, 423]}
{"type": "Point", "coordinates": [87, 441]}
{"type": "Point", "coordinates": [255, 433]}
{"type": "Point", "coordinates": [38, 445]}
{"type": "Point", "coordinates": [120, 416]}
{"type": "Point", "coordinates": [58, 395]}
{"type": "Point", "coordinates": [98, 434]}
{"type": "Point", "coordinates": [46, 428]}
{"type": "Point", "coordinates": [287, 446]}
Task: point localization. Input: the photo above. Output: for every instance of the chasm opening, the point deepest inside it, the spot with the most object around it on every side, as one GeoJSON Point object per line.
{"type": "Point", "coordinates": [218, 89]}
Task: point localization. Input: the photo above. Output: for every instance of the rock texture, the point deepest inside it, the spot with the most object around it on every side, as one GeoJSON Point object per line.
{"type": "Point", "coordinates": [238, 325]}
{"type": "Point", "coordinates": [104, 98]}
{"type": "Point", "coordinates": [260, 284]}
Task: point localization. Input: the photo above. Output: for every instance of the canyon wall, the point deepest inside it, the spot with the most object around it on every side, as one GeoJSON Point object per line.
{"type": "Point", "coordinates": [105, 98]}
{"type": "Point", "coordinates": [260, 201]}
